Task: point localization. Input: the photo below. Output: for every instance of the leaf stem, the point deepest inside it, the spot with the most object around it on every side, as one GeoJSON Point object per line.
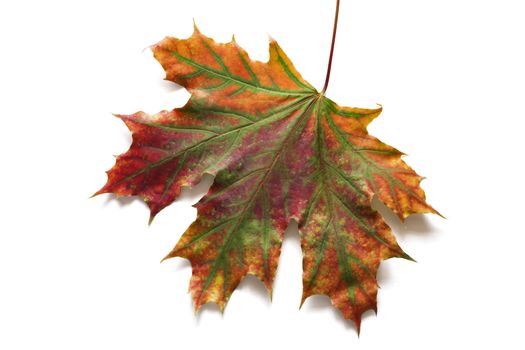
{"type": "Point", "coordinates": [329, 69]}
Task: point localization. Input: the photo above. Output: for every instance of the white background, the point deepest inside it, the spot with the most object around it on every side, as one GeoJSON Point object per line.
{"type": "Point", "coordinates": [80, 273]}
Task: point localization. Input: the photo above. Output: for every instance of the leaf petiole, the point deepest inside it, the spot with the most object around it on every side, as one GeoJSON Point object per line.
{"type": "Point", "coordinates": [329, 69]}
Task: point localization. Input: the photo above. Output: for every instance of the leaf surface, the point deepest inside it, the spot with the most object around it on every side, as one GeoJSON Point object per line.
{"type": "Point", "coordinates": [279, 151]}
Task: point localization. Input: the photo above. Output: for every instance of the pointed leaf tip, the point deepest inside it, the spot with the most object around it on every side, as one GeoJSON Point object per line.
{"type": "Point", "coordinates": [195, 28]}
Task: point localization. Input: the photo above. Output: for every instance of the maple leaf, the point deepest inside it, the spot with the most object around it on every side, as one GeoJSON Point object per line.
{"type": "Point", "coordinates": [279, 151]}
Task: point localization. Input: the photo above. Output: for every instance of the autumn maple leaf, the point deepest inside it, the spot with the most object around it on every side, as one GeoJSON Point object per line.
{"type": "Point", "coordinates": [279, 151]}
